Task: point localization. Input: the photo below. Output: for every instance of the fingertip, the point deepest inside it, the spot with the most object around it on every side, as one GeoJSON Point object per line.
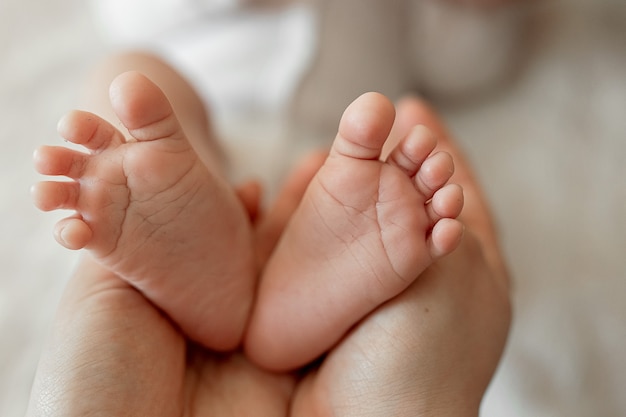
{"type": "Point", "coordinates": [250, 195]}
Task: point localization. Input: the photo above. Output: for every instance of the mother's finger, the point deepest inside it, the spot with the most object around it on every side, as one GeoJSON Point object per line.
{"type": "Point", "coordinates": [109, 353]}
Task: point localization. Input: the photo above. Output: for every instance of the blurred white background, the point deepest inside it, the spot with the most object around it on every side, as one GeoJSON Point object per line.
{"type": "Point", "coordinates": [550, 149]}
{"type": "Point", "coordinates": [45, 47]}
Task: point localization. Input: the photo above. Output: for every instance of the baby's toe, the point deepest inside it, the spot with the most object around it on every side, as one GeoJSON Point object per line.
{"type": "Point", "coordinates": [413, 150]}
{"type": "Point", "coordinates": [143, 108]}
{"type": "Point", "coordinates": [89, 130]}
{"type": "Point", "coordinates": [434, 173]}
{"type": "Point", "coordinates": [54, 160]}
{"type": "Point", "coordinates": [51, 195]}
{"type": "Point", "coordinates": [445, 237]}
{"type": "Point", "coordinates": [447, 202]}
{"type": "Point", "coordinates": [73, 233]}
{"type": "Point", "coordinates": [364, 127]}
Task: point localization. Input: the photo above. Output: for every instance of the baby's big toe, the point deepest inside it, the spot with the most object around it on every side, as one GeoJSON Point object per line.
{"type": "Point", "coordinates": [143, 108]}
{"type": "Point", "coordinates": [364, 127]}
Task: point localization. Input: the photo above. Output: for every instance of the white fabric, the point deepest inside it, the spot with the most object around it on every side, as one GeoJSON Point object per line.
{"type": "Point", "coordinates": [240, 58]}
{"type": "Point", "coordinates": [251, 56]}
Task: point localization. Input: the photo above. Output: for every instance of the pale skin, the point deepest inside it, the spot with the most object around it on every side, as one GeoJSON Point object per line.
{"type": "Point", "coordinates": [148, 209]}
{"type": "Point", "coordinates": [365, 229]}
{"type": "Point", "coordinates": [444, 334]}
{"type": "Point", "coordinates": [429, 352]}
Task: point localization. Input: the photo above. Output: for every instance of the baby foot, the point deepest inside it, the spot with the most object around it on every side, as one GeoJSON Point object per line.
{"type": "Point", "coordinates": [150, 211]}
{"type": "Point", "coordinates": [363, 232]}
{"type": "Point", "coordinates": [455, 316]}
